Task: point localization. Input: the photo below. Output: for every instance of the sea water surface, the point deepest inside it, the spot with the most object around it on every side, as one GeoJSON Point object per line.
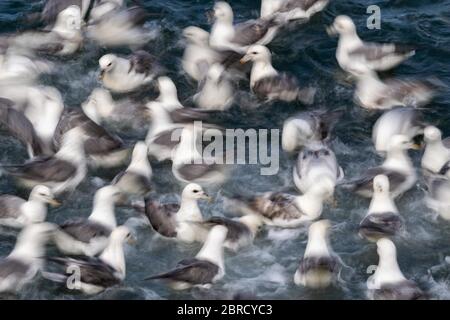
{"type": "Point", "coordinates": [265, 270]}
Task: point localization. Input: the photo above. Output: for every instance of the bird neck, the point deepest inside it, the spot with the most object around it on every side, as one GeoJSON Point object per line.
{"type": "Point", "coordinates": [387, 272]}
{"type": "Point", "coordinates": [103, 213]}
{"type": "Point", "coordinates": [261, 69]}
{"type": "Point", "coordinates": [349, 40]}
{"type": "Point", "coordinates": [114, 256]}
{"type": "Point", "coordinates": [33, 211]}
{"type": "Point", "coordinates": [382, 202]}
{"type": "Point", "coordinates": [212, 251]}
{"type": "Point", "coordinates": [189, 210]}
{"type": "Point", "coordinates": [317, 245]}
{"type": "Point", "coordinates": [140, 165]}
{"type": "Point", "coordinates": [71, 151]}
{"type": "Point", "coordinates": [310, 204]}
{"type": "Point", "coordinates": [398, 159]}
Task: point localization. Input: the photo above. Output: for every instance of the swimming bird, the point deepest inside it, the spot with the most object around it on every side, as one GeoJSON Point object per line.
{"type": "Point", "coordinates": [63, 39]}
{"type": "Point", "coordinates": [61, 172]}
{"type": "Point", "coordinates": [438, 194]}
{"type": "Point", "coordinates": [216, 90]}
{"type": "Point", "coordinates": [90, 236]}
{"type": "Point", "coordinates": [178, 221]}
{"type": "Point", "coordinates": [202, 271]}
{"type": "Point", "coordinates": [103, 149]}
{"type": "Point", "coordinates": [397, 167]}
{"type": "Point", "coordinates": [315, 162]}
{"type": "Point", "coordinates": [124, 114]}
{"type": "Point", "coordinates": [125, 74]}
{"type": "Point", "coordinates": [241, 231]}
{"type": "Point", "coordinates": [268, 84]}
{"type": "Point", "coordinates": [388, 281]}
{"type": "Point", "coordinates": [225, 36]}
{"type": "Point", "coordinates": [356, 56]}
{"type": "Point", "coordinates": [96, 274]}
{"type": "Point", "coordinates": [308, 126]}
{"type": "Point", "coordinates": [436, 157]}
{"type": "Point", "coordinates": [198, 56]}
{"type": "Point", "coordinates": [120, 28]}
{"type": "Point", "coordinates": [26, 259]}
{"type": "Point", "coordinates": [405, 121]}
{"type": "Point", "coordinates": [135, 179]}
{"type": "Point", "coordinates": [190, 165]}
{"type": "Point", "coordinates": [319, 266]}
{"type": "Point", "coordinates": [18, 213]}
{"type": "Point", "coordinates": [373, 93]}
{"type": "Point", "coordinates": [382, 219]}
{"type": "Point", "coordinates": [286, 210]}
{"type": "Point", "coordinates": [289, 10]}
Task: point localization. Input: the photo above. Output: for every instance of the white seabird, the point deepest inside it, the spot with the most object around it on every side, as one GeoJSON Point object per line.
{"type": "Point", "coordinates": [373, 93]}
{"type": "Point", "coordinates": [397, 167]}
{"type": "Point", "coordinates": [190, 165]}
{"type": "Point", "coordinates": [61, 172]}
{"type": "Point", "coordinates": [288, 10]}
{"type": "Point", "coordinates": [178, 221]}
{"type": "Point", "coordinates": [306, 127]}
{"type": "Point", "coordinates": [202, 271]}
{"type": "Point", "coordinates": [198, 56]}
{"type": "Point", "coordinates": [121, 74]}
{"type": "Point", "coordinates": [90, 236]}
{"type": "Point", "coordinates": [228, 37]}
{"type": "Point", "coordinates": [356, 56]}
{"type": "Point", "coordinates": [97, 274]}
{"type": "Point", "coordinates": [135, 179]}
{"type": "Point", "coordinates": [268, 84]}
{"type": "Point", "coordinates": [319, 267]}
{"type": "Point", "coordinates": [315, 162]}
{"type": "Point", "coordinates": [382, 218]}
{"type": "Point", "coordinates": [241, 231]}
{"type": "Point", "coordinates": [120, 28]}
{"type": "Point", "coordinates": [18, 213]}
{"type": "Point", "coordinates": [436, 157]}
{"type": "Point", "coordinates": [216, 90]}
{"type": "Point", "coordinates": [53, 8]}
{"type": "Point", "coordinates": [27, 257]}
{"type": "Point", "coordinates": [406, 121]}
{"type": "Point", "coordinates": [65, 37]}
{"type": "Point", "coordinates": [388, 281]}
{"type": "Point", "coordinates": [438, 194]}
{"type": "Point", "coordinates": [101, 108]}
{"type": "Point", "coordinates": [286, 210]}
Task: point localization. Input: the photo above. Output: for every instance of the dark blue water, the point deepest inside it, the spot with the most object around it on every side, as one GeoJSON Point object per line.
{"type": "Point", "coordinates": [266, 269]}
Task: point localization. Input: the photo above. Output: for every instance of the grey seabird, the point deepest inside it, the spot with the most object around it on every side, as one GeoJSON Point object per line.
{"type": "Point", "coordinates": [135, 179]}
{"type": "Point", "coordinates": [436, 158]}
{"type": "Point", "coordinates": [89, 236]}
{"type": "Point", "coordinates": [96, 274]}
{"type": "Point", "coordinates": [314, 162]}
{"type": "Point", "coordinates": [406, 121]}
{"type": "Point", "coordinates": [102, 148]}
{"type": "Point", "coordinates": [17, 212]}
{"type": "Point", "coordinates": [354, 55]}
{"type": "Point", "coordinates": [289, 10]}
{"type": "Point", "coordinates": [388, 281]}
{"type": "Point", "coordinates": [308, 126]}
{"type": "Point", "coordinates": [202, 271]}
{"type": "Point", "coordinates": [268, 84]}
{"type": "Point", "coordinates": [241, 231]}
{"type": "Point", "coordinates": [319, 266]}
{"type": "Point", "coordinates": [61, 172]}
{"type": "Point", "coordinates": [286, 210]}
{"type": "Point", "coordinates": [20, 127]}
{"type": "Point", "coordinates": [397, 167]}
{"type": "Point", "coordinates": [125, 74]}
{"type": "Point", "coordinates": [178, 221]}
{"type": "Point", "coordinates": [26, 259]}
{"type": "Point", "coordinates": [382, 219]}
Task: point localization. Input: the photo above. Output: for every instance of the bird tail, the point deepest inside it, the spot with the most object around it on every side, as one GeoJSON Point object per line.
{"type": "Point", "coordinates": [405, 49]}
{"type": "Point", "coordinates": [306, 95]}
{"type": "Point", "coordinates": [165, 275]}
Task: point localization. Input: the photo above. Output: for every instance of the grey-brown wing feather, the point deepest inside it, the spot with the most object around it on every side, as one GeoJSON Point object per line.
{"type": "Point", "coordinates": [250, 32]}
{"type": "Point", "coordinates": [275, 205]}
{"type": "Point", "coordinates": [84, 230]}
{"type": "Point", "coordinates": [142, 62]}
{"type": "Point", "coordinates": [381, 224]}
{"type": "Point", "coordinates": [235, 228]}
{"type": "Point", "coordinates": [366, 181]}
{"type": "Point", "coordinates": [10, 206]}
{"type": "Point", "coordinates": [12, 267]}
{"type": "Point", "coordinates": [329, 264]}
{"type": "Point", "coordinates": [162, 217]}
{"type": "Point", "coordinates": [195, 171]}
{"type": "Point", "coordinates": [374, 51]}
{"type": "Point", "coordinates": [279, 85]}
{"type": "Point", "coordinates": [406, 290]}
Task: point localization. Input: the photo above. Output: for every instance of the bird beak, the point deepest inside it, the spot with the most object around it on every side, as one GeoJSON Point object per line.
{"type": "Point", "coordinates": [102, 74]}
{"type": "Point", "coordinates": [416, 146]}
{"type": "Point", "coordinates": [207, 197]}
{"type": "Point", "coordinates": [210, 16]}
{"type": "Point", "coordinates": [331, 30]}
{"type": "Point", "coordinates": [54, 202]}
{"type": "Point", "coordinates": [245, 59]}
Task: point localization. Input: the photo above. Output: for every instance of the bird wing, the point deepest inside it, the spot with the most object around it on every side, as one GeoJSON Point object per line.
{"type": "Point", "coordinates": [11, 266]}
{"type": "Point", "coordinates": [84, 229]}
{"type": "Point", "coordinates": [250, 32]}
{"type": "Point", "coordinates": [162, 217]}
{"type": "Point", "coordinates": [141, 62]}
{"type": "Point", "coordinates": [10, 206]}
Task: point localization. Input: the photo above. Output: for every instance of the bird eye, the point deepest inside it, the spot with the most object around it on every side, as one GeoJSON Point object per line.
{"type": "Point", "coordinates": [109, 64]}
{"type": "Point", "coordinates": [195, 191]}
{"type": "Point", "coordinates": [254, 52]}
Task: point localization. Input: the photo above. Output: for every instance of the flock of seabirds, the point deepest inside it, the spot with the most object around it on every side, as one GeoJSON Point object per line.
{"type": "Point", "coordinates": [63, 143]}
